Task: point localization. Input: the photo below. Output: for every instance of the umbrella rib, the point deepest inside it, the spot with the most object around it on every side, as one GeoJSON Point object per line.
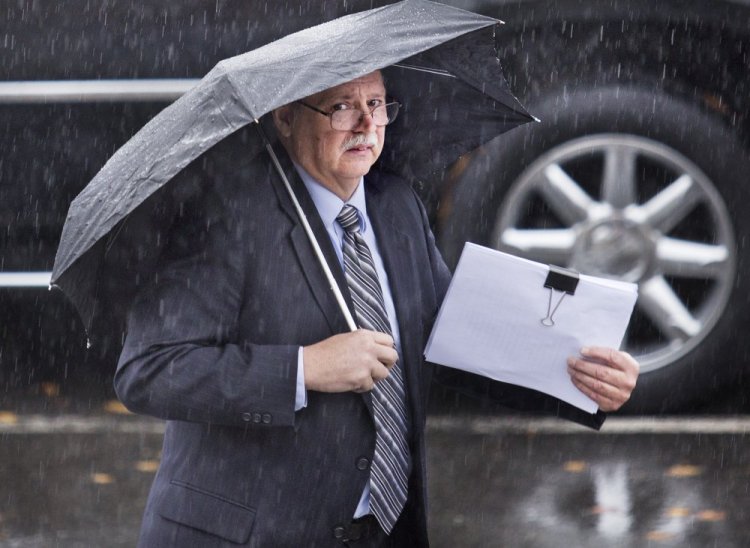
{"type": "Point", "coordinates": [425, 69]}
{"type": "Point", "coordinates": [113, 237]}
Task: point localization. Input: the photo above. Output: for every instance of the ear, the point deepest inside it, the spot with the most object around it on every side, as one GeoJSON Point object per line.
{"type": "Point", "coordinates": [283, 118]}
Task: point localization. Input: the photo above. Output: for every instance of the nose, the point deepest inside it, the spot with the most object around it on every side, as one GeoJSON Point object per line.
{"type": "Point", "coordinates": [366, 122]}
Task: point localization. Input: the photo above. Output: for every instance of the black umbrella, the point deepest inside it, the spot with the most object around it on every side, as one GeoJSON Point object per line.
{"type": "Point", "coordinates": [439, 62]}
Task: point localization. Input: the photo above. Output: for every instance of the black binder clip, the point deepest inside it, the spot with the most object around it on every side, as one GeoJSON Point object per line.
{"type": "Point", "coordinates": [562, 280]}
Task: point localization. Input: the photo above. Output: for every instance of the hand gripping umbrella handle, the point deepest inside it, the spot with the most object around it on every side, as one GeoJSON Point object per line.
{"type": "Point", "coordinates": [308, 230]}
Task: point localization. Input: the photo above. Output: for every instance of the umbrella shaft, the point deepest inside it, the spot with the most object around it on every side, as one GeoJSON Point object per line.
{"type": "Point", "coordinates": [308, 230]}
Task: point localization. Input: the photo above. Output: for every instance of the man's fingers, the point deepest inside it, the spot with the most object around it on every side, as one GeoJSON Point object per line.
{"type": "Point", "coordinates": [382, 338]}
{"type": "Point", "coordinates": [379, 372]}
{"type": "Point", "coordinates": [600, 377]}
{"type": "Point", "coordinates": [607, 398]}
{"type": "Point", "coordinates": [387, 355]}
{"type": "Point", "coordinates": [349, 361]}
{"type": "Point", "coordinates": [385, 350]}
{"type": "Point", "coordinates": [611, 357]}
{"type": "Point", "coordinates": [365, 385]}
{"type": "Point", "coordinates": [605, 375]}
{"type": "Point", "coordinates": [596, 383]}
{"type": "Point", "coordinates": [595, 371]}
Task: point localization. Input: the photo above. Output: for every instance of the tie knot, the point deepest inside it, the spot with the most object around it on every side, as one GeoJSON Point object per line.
{"type": "Point", "coordinates": [349, 218]}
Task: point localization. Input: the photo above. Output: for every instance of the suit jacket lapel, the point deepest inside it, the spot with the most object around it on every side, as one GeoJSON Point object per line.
{"type": "Point", "coordinates": [395, 247]}
{"type": "Point", "coordinates": [314, 274]}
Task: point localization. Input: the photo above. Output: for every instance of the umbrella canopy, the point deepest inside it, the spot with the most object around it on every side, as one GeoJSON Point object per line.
{"type": "Point", "coordinates": [438, 61]}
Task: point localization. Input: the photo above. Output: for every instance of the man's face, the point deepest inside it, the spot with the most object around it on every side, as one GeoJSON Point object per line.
{"type": "Point", "coordinates": [332, 156]}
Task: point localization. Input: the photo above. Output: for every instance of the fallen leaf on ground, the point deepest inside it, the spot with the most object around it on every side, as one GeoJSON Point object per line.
{"type": "Point", "coordinates": [7, 417]}
{"type": "Point", "coordinates": [575, 466]}
{"type": "Point", "coordinates": [50, 389]}
{"type": "Point", "coordinates": [684, 471]}
{"type": "Point", "coordinates": [659, 535]}
{"type": "Point", "coordinates": [711, 515]}
{"type": "Point", "coordinates": [116, 407]}
{"type": "Point", "coordinates": [147, 465]}
{"type": "Point", "coordinates": [102, 479]}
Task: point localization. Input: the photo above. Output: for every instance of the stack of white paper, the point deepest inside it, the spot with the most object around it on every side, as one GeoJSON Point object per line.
{"type": "Point", "coordinates": [490, 322]}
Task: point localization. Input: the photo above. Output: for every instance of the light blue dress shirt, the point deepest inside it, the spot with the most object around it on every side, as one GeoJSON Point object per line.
{"type": "Point", "coordinates": [329, 206]}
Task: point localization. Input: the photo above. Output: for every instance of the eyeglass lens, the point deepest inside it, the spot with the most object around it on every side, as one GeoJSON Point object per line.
{"type": "Point", "coordinates": [349, 119]}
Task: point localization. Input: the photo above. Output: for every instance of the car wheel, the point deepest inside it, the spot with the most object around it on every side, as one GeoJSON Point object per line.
{"type": "Point", "coordinates": [636, 186]}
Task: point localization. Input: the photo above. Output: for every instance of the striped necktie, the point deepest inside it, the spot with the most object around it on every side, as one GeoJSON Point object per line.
{"type": "Point", "coordinates": [390, 464]}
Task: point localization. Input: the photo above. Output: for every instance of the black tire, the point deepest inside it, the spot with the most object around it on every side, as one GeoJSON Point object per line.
{"type": "Point", "coordinates": [715, 356]}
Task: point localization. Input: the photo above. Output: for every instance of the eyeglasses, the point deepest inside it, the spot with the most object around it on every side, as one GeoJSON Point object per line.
{"type": "Point", "coordinates": [349, 118]}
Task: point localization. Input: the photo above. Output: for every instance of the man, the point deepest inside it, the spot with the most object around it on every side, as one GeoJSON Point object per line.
{"type": "Point", "coordinates": [286, 429]}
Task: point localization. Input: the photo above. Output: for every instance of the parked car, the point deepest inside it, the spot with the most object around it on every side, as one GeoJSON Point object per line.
{"type": "Point", "coordinates": [635, 171]}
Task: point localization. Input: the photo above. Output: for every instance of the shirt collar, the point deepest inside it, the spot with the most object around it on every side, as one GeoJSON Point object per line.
{"type": "Point", "coordinates": [329, 205]}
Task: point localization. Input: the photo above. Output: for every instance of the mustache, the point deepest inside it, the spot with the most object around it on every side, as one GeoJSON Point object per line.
{"type": "Point", "coordinates": [361, 139]}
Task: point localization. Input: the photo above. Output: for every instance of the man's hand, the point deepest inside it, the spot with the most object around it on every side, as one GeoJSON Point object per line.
{"type": "Point", "coordinates": [605, 375]}
{"type": "Point", "coordinates": [349, 362]}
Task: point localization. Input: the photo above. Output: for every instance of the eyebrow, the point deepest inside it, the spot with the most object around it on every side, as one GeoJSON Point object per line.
{"type": "Point", "coordinates": [349, 96]}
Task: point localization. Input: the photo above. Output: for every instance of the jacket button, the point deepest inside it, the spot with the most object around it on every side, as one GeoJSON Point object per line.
{"type": "Point", "coordinates": [266, 418]}
{"type": "Point", "coordinates": [363, 463]}
{"type": "Point", "coordinates": [247, 417]}
{"type": "Point", "coordinates": [338, 532]}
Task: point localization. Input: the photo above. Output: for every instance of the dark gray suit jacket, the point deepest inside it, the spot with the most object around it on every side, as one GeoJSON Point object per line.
{"type": "Point", "coordinates": [212, 347]}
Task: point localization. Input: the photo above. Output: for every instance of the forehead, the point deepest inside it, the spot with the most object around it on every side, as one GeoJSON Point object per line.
{"type": "Point", "coordinates": [369, 85]}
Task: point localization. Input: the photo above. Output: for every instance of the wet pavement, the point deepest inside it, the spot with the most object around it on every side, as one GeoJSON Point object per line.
{"type": "Point", "coordinates": [79, 479]}
{"type": "Point", "coordinates": [663, 483]}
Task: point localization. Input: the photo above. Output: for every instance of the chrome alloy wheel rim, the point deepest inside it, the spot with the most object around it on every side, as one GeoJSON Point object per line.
{"type": "Point", "coordinates": [629, 208]}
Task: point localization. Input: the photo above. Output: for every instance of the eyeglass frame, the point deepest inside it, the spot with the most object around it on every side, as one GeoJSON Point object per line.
{"type": "Point", "coordinates": [362, 114]}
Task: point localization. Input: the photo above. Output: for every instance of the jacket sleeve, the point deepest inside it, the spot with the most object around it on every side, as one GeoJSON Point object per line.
{"type": "Point", "coordinates": [441, 274]}
{"type": "Point", "coordinates": [181, 358]}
